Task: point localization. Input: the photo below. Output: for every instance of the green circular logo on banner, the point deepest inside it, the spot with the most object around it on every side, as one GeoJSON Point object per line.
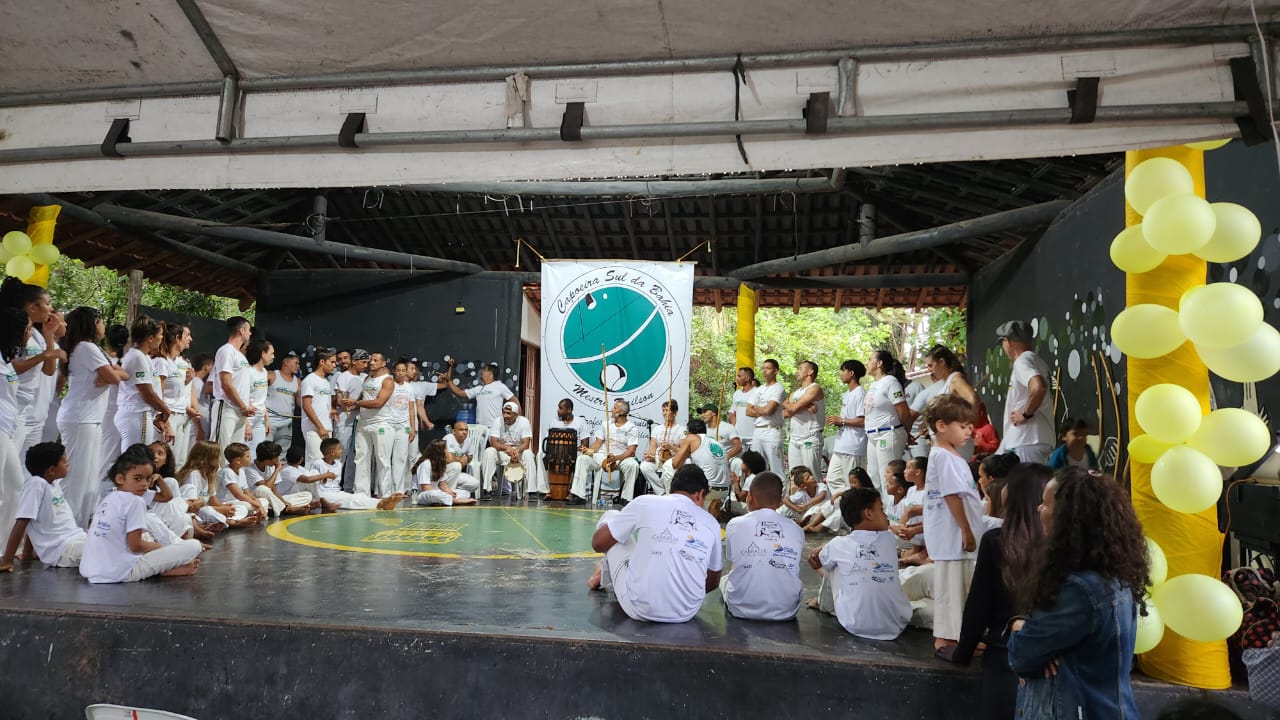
{"type": "Point", "coordinates": [628, 326]}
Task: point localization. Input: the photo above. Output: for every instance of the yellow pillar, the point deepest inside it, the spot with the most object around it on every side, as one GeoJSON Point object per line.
{"type": "Point", "coordinates": [40, 222]}
{"type": "Point", "coordinates": [746, 354]}
{"type": "Point", "coordinates": [1191, 542]}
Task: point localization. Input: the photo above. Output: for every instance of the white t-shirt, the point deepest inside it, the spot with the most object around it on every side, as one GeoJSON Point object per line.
{"type": "Point", "coordinates": [138, 365]}
{"type": "Point", "coordinates": [175, 384]}
{"type": "Point", "coordinates": [852, 440]}
{"type": "Point", "coordinates": [621, 437]}
{"type": "Point", "coordinates": [806, 425]}
{"type": "Point", "coordinates": [920, 402]}
{"type": "Point", "coordinates": [402, 398]}
{"type": "Point", "coordinates": [328, 485]}
{"type": "Point", "coordinates": [949, 474]}
{"type": "Point", "coordinates": [1038, 430]}
{"type": "Point", "coordinates": [467, 447]}
{"type": "Point", "coordinates": [880, 403]}
{"type": "Point", "coordinates": [52, 524]}
{"type": "Point", "coordinates": [287, 480]}
{"type": "Point", "coordinates": [577, 424]}
{"type": "Point", "coordinates": [229, 360]}
{"type": "Point", "coordinates": [422, 476]}
{"type": "Point", "coordinates": [257, 391]}
{"type": "Point", "coordinates": [745, 425]}
{"type": "Point", "coordinates": [489, 399]}
{"type": "Point", "coordinates": [765, 549]}
{"type": "Point", "coordinates": [709, 456]}
{"type": "Point", "coordinates": [350, 384]}
{"type": "Point", "coordinates": [768, 428]}
{"type": "Point", "coordinates": [672, 435]}
{"type": "Point", "coordinates": [321, 394]}
{"type": "Point", "coordinates": [195, 486]}
{"type": "Point", "coordinates": [676, 544]}
{"type": "Point", "coordinates": [724, 434]}
{"type": "Point", "coordinates": [513, 434]}
{"type": "Point", "coordinates": [282, 399]}
{"type": "Point", "coordinates": [226, 477]}
{"type": "Point", "coordinates": [253, 476]}
{"type": "Point", "coordinates": [423, 389]}
{"type": "Point", "coordinates": [85, 402]}
{"type": "Point", "coordinates": [107, 558]}
{"type": "Point", "coordinates": [29, 381]}
{"type": "Point", "coordinates": [863, 566]}
{"type": "Point", "coordinates": [369, 389]}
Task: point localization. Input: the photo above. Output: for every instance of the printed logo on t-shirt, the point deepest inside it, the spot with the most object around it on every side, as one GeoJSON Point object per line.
{"type": "Point", "coordinates": [58, 500]}
{"type": "Point", "coordinates": [665, 537]}
{"type": "Point", "coordinates": [716, 451]}
{"type": "Point", "coordinates": [682, 520]}
{"type": "Point", "coordinates": [897, 395]}
{"type": "Point", "coordinates": [754, 550]}
{"type": "Point", "coordinates": [769, 529]}
{"type": "Point", "coordinates": [140, 374]}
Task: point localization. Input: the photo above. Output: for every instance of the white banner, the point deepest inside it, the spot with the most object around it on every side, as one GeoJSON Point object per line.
{"type": "Point", "coordinates": [619, 325]}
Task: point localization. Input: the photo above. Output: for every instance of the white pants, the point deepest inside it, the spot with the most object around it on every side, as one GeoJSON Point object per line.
{"type": "Point", "coordinates": [349, 501]}
{"type": "Point", "coordinates": [454, 470]}
{"type": "Point", "coordinates": [373, 440]}
{"type": "Point", "coordinates": [438, 497]}
{"type": "Point", "coordinates": [311, 439]}
{"type": "Point", "coordinates": [807, 453]}
{"type": "Point", "coordinates": [134, 427]}
{"type": "Point", "coordinates": [180, 424]}
{"type": "Point", "coordinates": [587, 465]}
{"type": "Point", "coordinates": [257, 432]}
{"type": "Point", "coordinates": [278, 503]}
{"type": "Point", "coordinates": [12, 476]}
{"type": "Point", "coordinates": [883, 448]}
{"type": "Point", "coordinates": [84, 452]}
{"type": "Point", "coordinates": [108, 451]}
{"type": "Point", "coordinates": [540, 482]}
{"type": "Point", "coordinates": [34, 421]}
{"type": "Point", "coordinates": [659, 478]}
{"type": "Point", "coordinates": [772, 452]}
{"type": "Point", "coordinates": [227, 425]}
{"type": "Point", "coordinates": [173, 513]}
{"type": "Point", "coordinates": [1032, 453]}
{"type": "Point", "coordinates": [838, 471]}
{"type": "Point", "coordinates": [951, 580]}
{"type": "Point", "coordinates": [615, 570]}
{"type": "Point", "coordinates": [492, 459]}
{"type": "Point", "coordinates": [163, 559]}
{"type": "Point", "coordinates": [208, 515]}
{"type": "Point", "coordinates": [400, 456]}
{"type": "Point", "coordinates": [71, 553]}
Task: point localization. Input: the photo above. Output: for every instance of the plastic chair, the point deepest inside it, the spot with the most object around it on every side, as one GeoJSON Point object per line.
{"type": "Point", "coordinates": [613, 479]}
{"type": "Point", "coordinates": [102, 711]}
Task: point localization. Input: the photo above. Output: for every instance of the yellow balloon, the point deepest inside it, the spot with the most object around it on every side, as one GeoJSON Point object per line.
{"type": "Point", "coordinates": [1253, 360]}
{"type": "Point", "coordinates": [1186, 480]}
{"type": "Point", "coordinates": [1235, 234]}
{"type": "Point", "coordinates": [44, 253]}
{"type": "Point", "coordinates": [1169, 413]}
{"type": "Point", "coordinates": [1179, 224]}
{"type": "Point", "coordinates": [16, 242]}
{"type": "Point", "coordinates": [20, 267]}
{"type": "Point", "coordinates": [1219, 315]}
{"type": "Point", "coordinates": [1207, 145]}
{"type": "Point", "coordinates": [4, 255]}
{"type": "Point", "coordinates": [1232, 437]}
{"type": "Point", "coordinates": [1146, 449]}
{"type": "Point", "coordinates": [1154, 179]}
{"type": "Point", "coordinates": [1157, 563]}
{"type": "Point", "coordinates": [1199, 607]}
{"type": "Point", "coordinates": [1150, 629]}
{"type": "Point", "coordinates": [1147, 331]}
{"type": "Point", "coordinates": [1132, 253]}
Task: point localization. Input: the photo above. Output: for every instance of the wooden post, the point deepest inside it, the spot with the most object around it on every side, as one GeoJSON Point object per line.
{"type": "Point", "coordinates": [134, 297]}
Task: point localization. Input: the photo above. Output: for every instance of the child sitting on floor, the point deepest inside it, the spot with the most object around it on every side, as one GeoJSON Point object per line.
{"type": "Point", "coordinates": [168, 504]}
{"type": "Point", "coordinates": [115, 550]}
{"type": "Point", "coordinates": [860, 571]}
{"type": "Point", "coordinates": [233, 486]}
{"type": "Point", "coordinates": [329, 468]}
{"type": "Point", "coordinates": [44, 516]}
{"type": "Point", "coordinates": [200, 470]}
{"type": "Point", "coordinates": [429, 478]}
{"type": "Point", "coordinates": [1074, 450]}
{"type": "Point", "coordinates": [806, 496]}
{"type": "Point", "coordinates": [765, 550]}
{"type": "Point", "coordinates": [262, 476]}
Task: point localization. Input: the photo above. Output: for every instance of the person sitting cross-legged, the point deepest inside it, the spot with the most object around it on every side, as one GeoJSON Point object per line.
{"type": "Point", "coordinates": [765, 549]}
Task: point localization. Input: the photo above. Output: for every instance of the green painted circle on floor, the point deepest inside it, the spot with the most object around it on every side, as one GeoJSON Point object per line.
{"type": "Point", "coordinates": [491, 533]}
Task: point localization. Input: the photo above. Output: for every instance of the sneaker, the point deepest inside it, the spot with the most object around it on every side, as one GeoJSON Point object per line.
{"type": "Point", "coordinates": [575, 500]}
{"type": "Point", "coordinates": [486, 495]}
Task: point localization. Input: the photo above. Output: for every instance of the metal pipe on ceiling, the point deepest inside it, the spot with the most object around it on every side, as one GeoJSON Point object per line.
{"type": "Point", "coordinates": [882, 281]}
{"type": "Point", "coordinates": [908, 242]}
{"type": "Point", "coordinates": [663, 66]}
{"type": "Point", "coordinates": [160, 221]}
{"type": "Point", "coordinates": [86, 215]}
{"type": "Point", "coordinates": [1174, 112]}
{"type": "Point", "coordinates": [649, 188]}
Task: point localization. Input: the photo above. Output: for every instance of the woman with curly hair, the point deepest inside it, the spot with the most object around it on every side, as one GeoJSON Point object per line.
{"type": "Point", "coordinates": [1074, 650]}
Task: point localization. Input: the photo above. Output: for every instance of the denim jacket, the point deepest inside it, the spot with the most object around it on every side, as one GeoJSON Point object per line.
{"type": "Point", "coordinates": [1090, 630]}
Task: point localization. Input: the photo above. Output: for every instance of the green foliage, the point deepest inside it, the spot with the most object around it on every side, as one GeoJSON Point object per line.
{"type": "Point", "coordinates": [827, 338]}
{"type": "Point", "coordinates": [71, 285]}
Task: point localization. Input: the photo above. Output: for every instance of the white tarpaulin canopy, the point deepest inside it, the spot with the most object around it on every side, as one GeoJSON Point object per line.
{"type": "Point", "coordinates": [237, 93]}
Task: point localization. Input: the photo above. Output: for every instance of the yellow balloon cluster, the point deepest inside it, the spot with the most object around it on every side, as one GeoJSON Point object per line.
{"type": "Point", "coordinates": [22, 259]}
{"type": "Point", "coordinates": [1194, 606]}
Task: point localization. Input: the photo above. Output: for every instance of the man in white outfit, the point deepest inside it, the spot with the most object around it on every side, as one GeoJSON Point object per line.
{"type": "Point", "coordinates": [850, 448]}
{"type": "Point", "coordinates": [374, 431]}
{"type": "Point", "coordinates": [347, 387]}
{"type": "Point", "coordinates": [460, 452]}
{"type": "Point", "coordinates": [725, 434]}
{"type": "Point", "coordinates": [565, 419]}
{"type": "Point", "coordinates": [317, 406]}
{"type": "Point", "coordinates": [282, 401]}
{"type": "Point", "coordinates": [743, 423]}
{"type": "Point", "coordinates": [231, 408]}
{"type": "Point", "coordinates": [766, 408]}
{"type": "Point", "coordinates": [620, 455]}
{"type": "Point", "coordinates": [807, 408]}
{"type": "Point", "coordinates": [663, 442]}
{"type": "Point", "coordinates": [510, 441]}
{"type": "Point", "coordinates": [489, 395]}
{"type": "Point", "coordinates": [1028, 418]}
{"type": "Point", "coordinates": [404, 424]}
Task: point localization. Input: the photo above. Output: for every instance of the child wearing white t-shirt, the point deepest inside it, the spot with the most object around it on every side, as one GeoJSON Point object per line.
{"type": "Point", "coordinates": [44, 516]}
{"type": "Point", "coordinates": [263, 475]}
{"type": "Point", "coordinates": [115, 550]}
{"type": "Point", "coordinates": [765, 550]}
{"type": "Point", "coordinates": [806, 497]}
{"type": "Point", "coordinates": [233, 486]}
{"type": "Point", "coordinates": [860, 571]}
{"type": "Point", "coordinates": [432, 483]}
{"type": "Point", "coordinates": [329, 470]}
{"type": "Point", "coordinates": [952, 515]}
{"type": "Point", "coordinates": [195, 477]}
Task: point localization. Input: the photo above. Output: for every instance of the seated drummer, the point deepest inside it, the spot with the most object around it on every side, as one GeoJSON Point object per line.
{"type": "Point", "coordinates": [565, 420]}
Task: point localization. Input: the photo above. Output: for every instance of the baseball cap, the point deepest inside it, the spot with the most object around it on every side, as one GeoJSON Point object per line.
{"type": "Point", "coordinates": [709, 408]}
{"type": "Point", "coordinates": [1015, 330]}
{"type": "Point", "coordinates": [513, 407]}
{"type": "Point", "coordinates": [359, 354]}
